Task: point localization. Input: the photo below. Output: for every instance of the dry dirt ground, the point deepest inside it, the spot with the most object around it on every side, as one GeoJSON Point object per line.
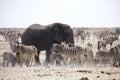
{"type": "Point", "coordinates": [58, 73]}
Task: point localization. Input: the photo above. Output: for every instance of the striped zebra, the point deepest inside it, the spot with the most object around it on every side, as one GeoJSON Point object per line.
{"type": "Point", "coordinates": [74, 52]}
{"type": "Point", "coordinates": [56, 57]}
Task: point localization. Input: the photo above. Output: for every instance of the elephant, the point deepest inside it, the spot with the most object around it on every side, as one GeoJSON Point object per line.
{"type": "Point", "coordinates": [43, 37]}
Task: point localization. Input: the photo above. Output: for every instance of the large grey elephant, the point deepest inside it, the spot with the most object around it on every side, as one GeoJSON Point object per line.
{"type": "Point", "coordinates": [43, 37]}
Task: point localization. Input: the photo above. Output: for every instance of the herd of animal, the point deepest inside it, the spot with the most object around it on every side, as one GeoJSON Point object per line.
{"type": "Point", "coordinates": [63, 54]}
{"type": "Point", "coordinates": [85, 56]}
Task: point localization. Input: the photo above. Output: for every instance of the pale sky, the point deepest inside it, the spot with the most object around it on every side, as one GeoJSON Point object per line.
{"type": "Point", "coordinates": [76, 13]}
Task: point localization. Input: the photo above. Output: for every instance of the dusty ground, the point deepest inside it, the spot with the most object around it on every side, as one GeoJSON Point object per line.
{"type": "Point", "coordinates": [58, 73]}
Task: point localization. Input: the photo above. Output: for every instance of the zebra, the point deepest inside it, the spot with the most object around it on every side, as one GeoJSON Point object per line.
{"type": "Point", "coordinates": [55, 56]}
{"type": "Point", "coordinates": [26, 54]}
{"type": "Point", "coordinates": [106, 57]}
{"type": "Point", "coordinates": [116, 52]}
{"type": "Point", "coordinates": [89, 57]}
{"type": "Point", "coordinates": [9, 57]}
{"type": "Point", "coordinates": [74, 52]}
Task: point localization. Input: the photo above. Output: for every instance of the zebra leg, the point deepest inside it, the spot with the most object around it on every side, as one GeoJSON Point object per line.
{"type": "Point", "coordinates": [115, 62]}
{"type": "Point", "coordinates": [28, 62]}
{"type": "Point", "coordinates": [58, 63]}
{"type": "Point", "coordinates": [111, 62]}
{"type": "Point", "coordinates": [3, 63]}
{"type": "Point", "coordinates": [73, 61]}
{"type": "Point", "coordinates": [65, 61]}
{"type": "Point", "coordinates": [21, 62]}
{"type": "Point", "coordinates": [81, 61]}
{"type": "Point", "coordinates": [32, 61]}
{"type": "Point", "coordinates": [13, 64]}
{"type": "Point", "coordinates": [7, 63]}
{"type": "Point", "coordinates": [52, 62]}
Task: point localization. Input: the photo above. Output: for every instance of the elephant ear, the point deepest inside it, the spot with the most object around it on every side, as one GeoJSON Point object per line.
{"type": "Point", "coordinates": [67, 30]}
{"type": "Point", "coordinates": [57, 34]}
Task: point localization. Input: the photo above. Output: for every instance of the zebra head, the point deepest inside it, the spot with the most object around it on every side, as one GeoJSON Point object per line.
{"type": "Point", "coordinates": [57, 47]}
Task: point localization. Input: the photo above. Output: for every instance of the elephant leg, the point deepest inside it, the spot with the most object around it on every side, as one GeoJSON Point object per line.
{"type": "Point", "coordinates": [47, 60]}
{"type": "Point", "coordinates": [37, 57]}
